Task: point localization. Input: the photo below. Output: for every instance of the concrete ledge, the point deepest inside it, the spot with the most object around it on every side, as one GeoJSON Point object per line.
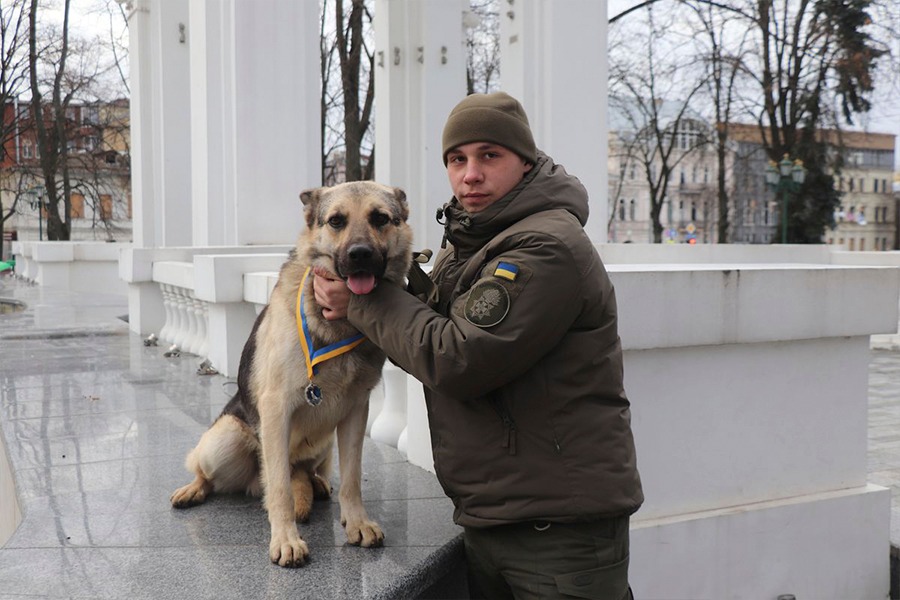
{"type": "Point", "coordinates": [220, 278]}
{"type": "Point", "coordinates": [647, 254]}
{"type": "Point", "coordinates": [258, 287]}
{"type": "Point", "coordinates": [174, 273]}
{"type": "Point", "coordinates": [790, 549]}
{"type": "Point", "coordinates": [667, 306]}
{"type": "Point", "coordinates": [135, 264]}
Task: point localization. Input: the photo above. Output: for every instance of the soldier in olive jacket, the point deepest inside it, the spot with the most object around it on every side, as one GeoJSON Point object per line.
{"type": "Point", "coordinates": [522, 367]}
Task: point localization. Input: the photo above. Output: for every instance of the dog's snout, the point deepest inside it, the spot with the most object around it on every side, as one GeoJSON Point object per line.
{"type": "Point", "coordinates": [360, 252]}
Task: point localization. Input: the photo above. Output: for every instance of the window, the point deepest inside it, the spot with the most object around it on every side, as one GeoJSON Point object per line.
{"type": "Point", "coordinates": [862, 244]}
{"type": "Point", "coordinates": [90, 115]}
{"type": "Point", "coordinates": [632, 210]}
{"type": "Point", "coordinates": [693, 211]}
{"type": "Point", "coordinates": [90, 142]}
{"type": "Point", "coordinates": [77, 201]}
{"type": "Point", "coordinates": [70, 114]}
{"type": "Point", "coordinates": [621, 210]}
{"type": "Point", "coordinates": [106, 212]}
{"type": "Point", "coordinates": [875, 185]}
{"type": "Point", "coordinates": [27, 150]}
{"type": "Point", "coordinates": [862, 184]}
{"type": "Point", "coordinates": [850, 182]}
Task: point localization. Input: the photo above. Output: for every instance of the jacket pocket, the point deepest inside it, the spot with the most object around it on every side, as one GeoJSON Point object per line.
{"type": "Point", "coordinates": [603, 583]}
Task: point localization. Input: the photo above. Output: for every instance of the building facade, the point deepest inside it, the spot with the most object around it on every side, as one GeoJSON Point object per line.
{"type": "Point", "coordinates": [688, 211]}
{"type": "Point", "coordinates": [866, 220]}
{"type": "Point", "coordinates": [98, 159]}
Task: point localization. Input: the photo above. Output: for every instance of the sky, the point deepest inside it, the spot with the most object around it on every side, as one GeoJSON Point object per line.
{"type": "Point", "coordinates": [883, 118]}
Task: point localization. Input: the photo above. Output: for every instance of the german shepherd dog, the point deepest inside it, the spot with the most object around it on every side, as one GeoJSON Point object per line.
{"type": "Point", "coordinates": [297, 383]}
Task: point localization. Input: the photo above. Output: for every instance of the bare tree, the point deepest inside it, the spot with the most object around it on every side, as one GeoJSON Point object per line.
{"type": "Point", "coordinates": [353, 46]}
{"type": "Point", "coordinates": [652, 91]}
{"type": "Point", "coordinates": [722, 49]}
{"type": "Point", "coordinates": [49, 123]}
{"type": "Point", "coordinates": [13, 78]}
{"type": "Point", "coordinates": [815, 65]}
{"type": "Point", "coordinates": [483, 46]}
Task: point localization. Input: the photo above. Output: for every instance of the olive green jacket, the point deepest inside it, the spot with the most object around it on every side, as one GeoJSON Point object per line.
{"type": "Point", "coordinates": [521, 361]}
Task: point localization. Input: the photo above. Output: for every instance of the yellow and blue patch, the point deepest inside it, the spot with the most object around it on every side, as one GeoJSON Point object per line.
{"type": "Point", "coordinates": [506, 271]}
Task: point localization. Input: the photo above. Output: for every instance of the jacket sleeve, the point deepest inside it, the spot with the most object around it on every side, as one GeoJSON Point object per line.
{"type": "Point", "coordinates": [458, 359]}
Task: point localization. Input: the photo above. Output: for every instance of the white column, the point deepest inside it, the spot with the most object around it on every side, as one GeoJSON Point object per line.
{"type": "Point", "coordinates": [210, 194]}
{"type": "Point", "coordinates": [160, 118]}
{"type": "Point", "coordinates": [420, 75]}
{"type": "Point", "coordinates": [553, 59]}
{"type": "Point", "coordinates": [255, 82]}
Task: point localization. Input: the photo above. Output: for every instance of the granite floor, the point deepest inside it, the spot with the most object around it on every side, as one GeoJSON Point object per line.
{"type": "Point", "coordinates": [97, 425]}
{"type": "Point", "coordinates": [884, 429]}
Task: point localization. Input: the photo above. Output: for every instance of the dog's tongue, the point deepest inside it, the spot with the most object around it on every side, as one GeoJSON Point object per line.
{"type": "Point", "coordinates": [361, 283]}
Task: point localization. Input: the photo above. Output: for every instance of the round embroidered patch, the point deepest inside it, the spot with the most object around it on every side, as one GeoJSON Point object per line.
{"type": "Point", "coordinates": [487, 305]}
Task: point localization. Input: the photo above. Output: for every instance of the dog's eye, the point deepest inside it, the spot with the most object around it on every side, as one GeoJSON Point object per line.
{"type": "Point", "coordinates": [337, 221]}
{"type": "Point", "coordinates": [379, 219]}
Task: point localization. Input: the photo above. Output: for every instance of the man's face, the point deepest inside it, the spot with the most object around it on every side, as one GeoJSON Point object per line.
{"type": "Point", "coordinates": [482, 172]}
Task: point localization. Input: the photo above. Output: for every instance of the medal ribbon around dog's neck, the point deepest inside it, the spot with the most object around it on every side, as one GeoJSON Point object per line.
{"type": "Point", "coordinates": [315, 357]}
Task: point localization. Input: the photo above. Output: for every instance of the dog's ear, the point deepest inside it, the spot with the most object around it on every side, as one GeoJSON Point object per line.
{"type": "Point", "coordinates": [310, 200]}
{"type": "Point", "coordinates": [400, 197]}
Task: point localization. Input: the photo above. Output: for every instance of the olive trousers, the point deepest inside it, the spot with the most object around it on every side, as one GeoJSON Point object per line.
{"type": "Point", "coordinates": [549, 560]}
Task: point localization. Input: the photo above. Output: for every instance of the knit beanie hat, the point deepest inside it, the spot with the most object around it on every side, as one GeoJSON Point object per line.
{"type": "Point", "coordinates": [497, 118]}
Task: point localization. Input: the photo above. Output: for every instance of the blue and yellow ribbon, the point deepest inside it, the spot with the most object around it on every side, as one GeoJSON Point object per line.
{"type": "Point", "coordinates": [315, 357]}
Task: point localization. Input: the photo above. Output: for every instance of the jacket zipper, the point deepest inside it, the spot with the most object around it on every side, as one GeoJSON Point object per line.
{"type": "Point", "coordinates": [509, 423]}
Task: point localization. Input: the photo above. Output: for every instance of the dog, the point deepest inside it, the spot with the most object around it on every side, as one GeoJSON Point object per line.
{"type": "Point", "coordinates": [275, 437]}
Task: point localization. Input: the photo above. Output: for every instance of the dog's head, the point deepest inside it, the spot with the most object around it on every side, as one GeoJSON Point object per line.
{"type": "Point", "coordinates": [358, 230]}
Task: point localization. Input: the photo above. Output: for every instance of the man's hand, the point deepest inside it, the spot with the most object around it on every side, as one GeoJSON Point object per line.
{"type": "Point", "coordinates": [331, 293]}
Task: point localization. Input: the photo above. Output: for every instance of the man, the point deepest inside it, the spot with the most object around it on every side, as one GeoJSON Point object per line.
{"type": "Point", "coordinates": [522, 366]}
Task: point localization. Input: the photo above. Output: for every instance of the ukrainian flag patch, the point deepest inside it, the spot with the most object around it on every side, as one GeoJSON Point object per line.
{"type": "Point", "coordinates": [506, 271]}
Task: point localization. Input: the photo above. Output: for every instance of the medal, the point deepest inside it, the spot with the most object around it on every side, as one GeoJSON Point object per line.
{"type": "Point", "coordinates": [313, 356]}
{"type": "Point", "coordinates": [313, 394]}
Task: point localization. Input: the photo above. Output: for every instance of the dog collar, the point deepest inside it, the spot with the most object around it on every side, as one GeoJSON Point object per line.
{"type": "Point", "coordinates": [313, 356]}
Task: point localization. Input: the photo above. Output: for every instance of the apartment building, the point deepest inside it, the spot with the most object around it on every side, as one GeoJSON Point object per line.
{"type": "Point", "coordinates": [97, 148]}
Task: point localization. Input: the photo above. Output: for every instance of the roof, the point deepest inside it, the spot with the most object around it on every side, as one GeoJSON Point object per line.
{"type": "Point", "coordinates": [864, 140]}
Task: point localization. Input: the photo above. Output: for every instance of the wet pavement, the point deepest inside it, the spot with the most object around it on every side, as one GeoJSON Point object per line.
{"type": "Point", "coordinates": [97, 425]}
{"type": "Point", "coordinates": [884, 429]}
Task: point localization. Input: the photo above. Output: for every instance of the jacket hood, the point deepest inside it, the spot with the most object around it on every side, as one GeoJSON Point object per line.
{"type": "Point", "coordinates": [547, 186]}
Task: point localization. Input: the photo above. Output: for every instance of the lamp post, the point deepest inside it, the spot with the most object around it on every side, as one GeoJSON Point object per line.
{"type": "Point", "coordinates": [785, 177]}
{"type": "Point", "coordinates": [37, 193]}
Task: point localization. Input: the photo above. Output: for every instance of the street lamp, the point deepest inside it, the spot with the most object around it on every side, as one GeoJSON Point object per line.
{"type": "Point", "coordinates": [785, 177]}
{"type": "Point", "coordinates": [37, 203]}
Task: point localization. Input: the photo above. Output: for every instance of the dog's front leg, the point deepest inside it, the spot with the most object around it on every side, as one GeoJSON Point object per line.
{"type": "Point", "coordinates": [286, 547]}
{"type": "Point", "coordinates": [350, 432]}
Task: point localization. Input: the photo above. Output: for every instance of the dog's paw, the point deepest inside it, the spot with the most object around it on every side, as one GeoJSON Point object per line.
{"type": "Point", "coordinates": [191, 494]}
{"type": "Point", "coordinates": [364, 533]}
{"type": "Point", "coordinates": [287, 549]}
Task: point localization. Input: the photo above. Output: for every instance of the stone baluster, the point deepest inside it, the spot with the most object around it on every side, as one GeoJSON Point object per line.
{"type": "Point", "coordinates": [391, 420]}
{"type": "Point", "coordinates": [167, 333]}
